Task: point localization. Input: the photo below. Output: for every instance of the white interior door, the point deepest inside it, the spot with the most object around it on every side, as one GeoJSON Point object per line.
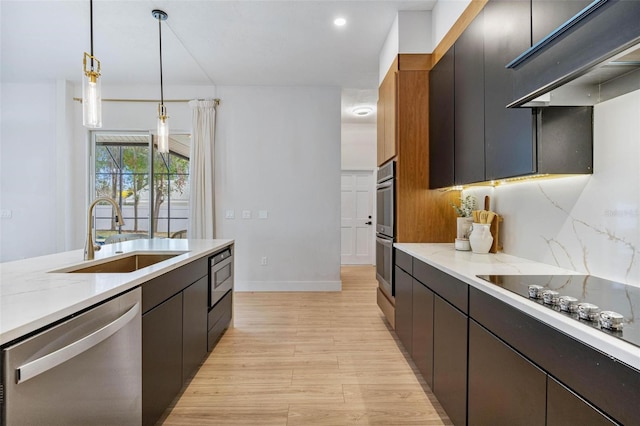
{"type": "Point", "coordinates": [357, 221]}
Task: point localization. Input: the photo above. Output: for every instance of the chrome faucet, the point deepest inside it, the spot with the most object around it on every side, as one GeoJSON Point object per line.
{"type": "Point", "coordinates": [90, 247]}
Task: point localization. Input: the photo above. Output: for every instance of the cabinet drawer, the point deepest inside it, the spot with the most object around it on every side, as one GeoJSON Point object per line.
{"type": "Point", "coordinates": [604, 381]}
{"type": "Point", "coordinates": [220, 310]}
{"type": "Point", "coordinates": [449, 288]}
{"type": "Point", "coordinates": [219, 319]}
{"type": "Point", "coordinates": [404, 261]}
{"type": "Point", "coordinates": [163, 287]}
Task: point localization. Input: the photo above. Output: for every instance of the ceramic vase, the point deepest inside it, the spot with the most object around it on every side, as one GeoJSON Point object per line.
{"type": "Point", "coordinates": [480, 238]}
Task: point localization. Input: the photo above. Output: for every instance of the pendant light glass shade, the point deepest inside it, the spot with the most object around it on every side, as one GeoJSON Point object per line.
{"type": "Point", "coordinates": [91, 95]}
{"type": "Point", "coordinates": [163, 130]}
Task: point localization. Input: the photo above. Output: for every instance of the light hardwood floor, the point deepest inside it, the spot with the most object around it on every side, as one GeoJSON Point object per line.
{"type": "Point", "coordinates": [309, 359]}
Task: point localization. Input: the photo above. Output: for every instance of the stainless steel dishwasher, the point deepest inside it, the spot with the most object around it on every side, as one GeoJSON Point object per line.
{"type": "Point", "coordinates": [85, 370]}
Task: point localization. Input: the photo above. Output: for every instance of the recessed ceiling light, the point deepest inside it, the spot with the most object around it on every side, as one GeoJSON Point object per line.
{"type": "Point", "coordinates": [362, 110]}
{"type": "Point", "coordinates": [339, 22]}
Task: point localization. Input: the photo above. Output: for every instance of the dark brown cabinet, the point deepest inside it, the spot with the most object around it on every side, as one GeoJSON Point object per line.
{"type": "Point", "coordinates": [450, 360]}
{"type": "Point", "coordinates": [161, 357]}
{"type": "Point", "coordinates": [547, 15]}
{"type": "Point", "coordinates": [504, 387]}
{"type": "Point", "coordinates": [469, 101]}
{"type": "Point", "coordinates": [174, 334]}
{"type": "Point", "coordinates": [564, 407]}
{"type": "Point", "coordinates": [473, 136]}
{"type": "Point", "coordinates": [441, 122]}
{"type": "Point", "coordinates": [404, 307]}
{"type": "Point", "coordinates": [509, 132]}
{"type": "Point", "coordinates": [422, 330]}
{"type": "Point", "coordinates": [194, 327]}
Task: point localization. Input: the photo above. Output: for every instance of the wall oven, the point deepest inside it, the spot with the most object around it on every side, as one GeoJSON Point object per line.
{"type": "Point", "coordinates": [385, 227]}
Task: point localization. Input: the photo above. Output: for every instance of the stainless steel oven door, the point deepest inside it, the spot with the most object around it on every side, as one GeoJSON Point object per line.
{"type": "Point", "coordinates": [385, 206]}
{"type": "Point", "coordinates": [384, 265]}
{"type": "Point", "coordinates": [221, 277]}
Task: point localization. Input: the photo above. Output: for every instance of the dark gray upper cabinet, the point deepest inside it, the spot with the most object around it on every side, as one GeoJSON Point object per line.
{"type": "Point", "coordinates": [547, 15]}
{"type": "Point", "coordinates": [469, 99]}
{"type": "Point", "coordinates": [441, 122]}
{"type": "Point", "coordinates": [509, 133]}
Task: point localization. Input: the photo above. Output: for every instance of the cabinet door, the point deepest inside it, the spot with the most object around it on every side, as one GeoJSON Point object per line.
{"type": "Point", "coordinates": [469, 104]}
{"type": "Point", "coordinates": [566, 408]}
{"type": "Point", "coordinates": [390, 115]}
{"type": "Point", "coordinates": [194, 326]}
{"type": "Point", "coordinates": [380, 126]}
{"type": "Point", "coordinates": [450, 360]}
{"type": "Point", "coordinates": [441, 122]}
{"type": "Point", "coordinates": [404, 307]}
{"type": "Point", "coordinates": [547, 15]}
{"type": "Point", "coordinates": [504, 387]}
{"type": "Point", "coordinates": [509, 132]}
{"type": "Point", "coordinates": [161, 358]}
{"type": "Point", "coordinates": [422, 338]}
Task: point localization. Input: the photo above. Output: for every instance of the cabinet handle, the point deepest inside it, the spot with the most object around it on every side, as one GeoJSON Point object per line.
{"type": "Point", "coordinates": [52, 360]}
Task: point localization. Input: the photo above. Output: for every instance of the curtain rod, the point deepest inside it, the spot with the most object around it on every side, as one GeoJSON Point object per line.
{"type": "Point", "coordinates": [216, 100]}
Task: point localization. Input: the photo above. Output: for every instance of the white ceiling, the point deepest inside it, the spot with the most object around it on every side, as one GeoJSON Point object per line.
{"type": "Point", "coordinates": [205, 42]}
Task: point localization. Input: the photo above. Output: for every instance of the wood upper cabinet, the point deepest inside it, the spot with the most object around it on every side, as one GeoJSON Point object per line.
{"type": "Point", "coordinates": [387, 116]}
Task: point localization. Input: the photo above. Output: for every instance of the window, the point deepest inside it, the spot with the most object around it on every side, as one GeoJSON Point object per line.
{"type": "Point", "coordinates": [151, 190]}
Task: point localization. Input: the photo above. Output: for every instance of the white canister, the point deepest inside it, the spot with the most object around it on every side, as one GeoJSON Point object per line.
{"type": "Point", "coordinates": [480, 238]}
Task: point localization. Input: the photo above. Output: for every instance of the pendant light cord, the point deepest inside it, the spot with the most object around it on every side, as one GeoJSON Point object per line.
{"type": "Point", "coordinates": [160, 37]}
{"type": "Point", "coordinates": [91, 29]}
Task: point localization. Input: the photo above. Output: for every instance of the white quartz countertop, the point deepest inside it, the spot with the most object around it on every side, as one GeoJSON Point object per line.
{"type": "Point", "coordinates": [32, 297]}
{"type": "Point", "coordinates": [465, 265]}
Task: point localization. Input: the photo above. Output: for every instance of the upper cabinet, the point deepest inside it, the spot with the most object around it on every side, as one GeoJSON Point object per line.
{"type": "Point", "coordinates": [387, 95]}
{"type": "Point", "coordinates": [473, 136]}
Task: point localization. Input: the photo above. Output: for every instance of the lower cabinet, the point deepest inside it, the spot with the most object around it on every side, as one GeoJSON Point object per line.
{"type": "Point", "coordinates": [194, 326]}
{"type": "Point", "coordinates": [422, 333]}
{"type": "Point", "coordinates": [450, 360]}
{"type": "Point", "coordinates": [504, 387]}
{"type": "Point", "coordinates": [564, 407]}
{"type": "Point", "coordinates": [404, 307]}
{"type": "Point", "coordinates": [161, 357]}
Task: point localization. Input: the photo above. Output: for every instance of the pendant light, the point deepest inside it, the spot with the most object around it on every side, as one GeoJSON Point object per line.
{"type": "Point", "coordinates": [91, 91]}
{"type": "Point", "coordinates": [163, 119]}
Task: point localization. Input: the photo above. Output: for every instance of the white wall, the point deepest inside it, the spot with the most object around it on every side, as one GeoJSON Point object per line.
{"type": "Point", "coordinates": [590, 224]}
{"type": "Point", "coordinates": [272, 154]}
{"type": "Point", "coordinates": [28, 170]}
{"type": "Point", "coordinates": [278, 149]}
{"type": "Point", "coordinates": [359, 148]}
{"type": "Point", "coordinates": [444, 14]}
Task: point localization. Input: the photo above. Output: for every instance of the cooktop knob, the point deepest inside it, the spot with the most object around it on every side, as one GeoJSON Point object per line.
{"type": "Point", "coordinates": [611, 320]}
{"type": "Point", "coordinates": [568, 304]}
{"type": "Point", "coordinates": [535, 291]}
{"type": "Point", "coordinates": [588, 311]}
{"type": "Point", "coordinates": [550, 297]}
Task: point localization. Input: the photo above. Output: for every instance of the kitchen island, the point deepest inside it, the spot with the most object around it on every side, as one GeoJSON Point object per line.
{"type": "Point", "coordinates": [492, 355]}
{"type": "Point", "coordinates": [138, 319]}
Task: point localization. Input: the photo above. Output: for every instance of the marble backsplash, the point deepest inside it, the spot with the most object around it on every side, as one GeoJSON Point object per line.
{"type": "Point", "coordinates": [588, 223]}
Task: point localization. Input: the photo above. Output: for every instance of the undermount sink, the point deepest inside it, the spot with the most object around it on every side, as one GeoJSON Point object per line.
{"type": "Point", "coordinates": [124, 264]}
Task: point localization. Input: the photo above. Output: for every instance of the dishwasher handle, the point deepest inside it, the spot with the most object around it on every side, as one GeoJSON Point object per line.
{"type": "Point", "coordinates": [52, 360]}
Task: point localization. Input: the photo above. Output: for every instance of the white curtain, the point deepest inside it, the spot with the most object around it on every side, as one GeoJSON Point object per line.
{"type": "Point", "coordinates": [201, 170]}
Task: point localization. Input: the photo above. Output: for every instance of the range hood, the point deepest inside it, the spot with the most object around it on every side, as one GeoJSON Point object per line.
{"type": "Point", "coordinates": [593, 57]}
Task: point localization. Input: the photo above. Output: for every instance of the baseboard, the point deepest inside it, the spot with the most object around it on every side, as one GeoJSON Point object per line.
{"type": "Point", "coordinates": [287, 285]}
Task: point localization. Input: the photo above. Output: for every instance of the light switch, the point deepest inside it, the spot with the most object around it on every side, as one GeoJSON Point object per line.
{"type": "Point", "coordinates": [246, 214]}
{"type": "Point", "coordinates": [229, 214]}
{"type": "Point", "coordinates": [263, 214]}
{"type": "Point", "coordinates": [5, 214]}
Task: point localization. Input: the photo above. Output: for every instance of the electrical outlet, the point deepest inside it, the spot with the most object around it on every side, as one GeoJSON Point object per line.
{"type": "Point", "coordinates": [263, 214]}
{"type": "Point", "coordinates": [246, 214]}
{"type": "Point", "coordinates": [5, 214]}
{"type": "Point", "coordinates": [229, 214]}
{"type": "Point", "coordinates": [263, 261]}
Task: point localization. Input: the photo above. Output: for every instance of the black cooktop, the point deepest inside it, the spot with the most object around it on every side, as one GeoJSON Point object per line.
{"type": "Point", "coordinates": [607, 295]}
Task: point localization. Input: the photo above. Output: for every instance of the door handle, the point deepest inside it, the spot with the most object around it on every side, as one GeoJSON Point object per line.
{"type": "Point", "coordinates": [52, 360]}
{"type": "Point", "coordinates": [368, 223]}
